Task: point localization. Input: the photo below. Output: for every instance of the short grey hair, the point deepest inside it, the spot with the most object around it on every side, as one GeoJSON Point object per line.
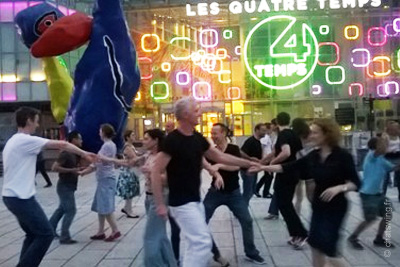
{"type": "Point", "coordinates": [182, 105]}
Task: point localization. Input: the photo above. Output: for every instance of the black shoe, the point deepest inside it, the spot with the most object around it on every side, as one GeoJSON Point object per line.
{"type": "Point", "coordinates": [48, 185]}
{"type": "Point", "coordinates": [222, 261]}
{"type": "Point", "coordinates": [68, 242]}
{"type": "Point", "coordinates": [267, 196]}
{"type": "Point", "coordinates": [257, 259]}
{"type": "Point", "coordinates": [257, 194]}
{"type": "Point", "coordinates": [355, 243]}
{"type": "Point", "coordinates": [380, 242]}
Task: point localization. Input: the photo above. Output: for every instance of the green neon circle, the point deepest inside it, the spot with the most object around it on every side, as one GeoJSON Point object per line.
{"type": "Point", "coordinates": [250, 35]}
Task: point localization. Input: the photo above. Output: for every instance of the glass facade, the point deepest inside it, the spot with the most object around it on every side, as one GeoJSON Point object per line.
{"type": "Point", "coordinates": [246, 61]}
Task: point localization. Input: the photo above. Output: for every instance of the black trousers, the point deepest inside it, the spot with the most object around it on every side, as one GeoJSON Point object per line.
{"type": "Point", "coordinates": [175, 237]}
{"type": "Point", "coordinates": [285, 186]}
{"type": "Point", "coordinates": [265, 181]}
{"type": "Point", "coordinates": [40, 167]}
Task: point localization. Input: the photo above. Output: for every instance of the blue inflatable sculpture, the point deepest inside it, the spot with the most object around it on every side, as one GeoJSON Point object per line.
{"type": "Point", "coordinates": [106, 78]}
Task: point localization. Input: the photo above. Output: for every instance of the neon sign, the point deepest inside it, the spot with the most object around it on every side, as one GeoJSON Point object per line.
{"type": "Point", "coordinates": [159, 97]}
{"type": "Point", "coordinates": [342, 75]}
{"type": "Point", "coordinates": [231, 96]}
{"type": "Point", "coordinates": [316, 89]}
{"type": "Point", "coordinates": [355, 32]}
{"type": "Point", "coordinates": [289, 55]}
{"type": "Point", "coordinates": [267, 6]}
{"type": "Point", "coordinates": [144, 42]}
{"type": "Point", "coordinates": [356, 85]}
{"type": "Point", "coordinates": [198, 89]}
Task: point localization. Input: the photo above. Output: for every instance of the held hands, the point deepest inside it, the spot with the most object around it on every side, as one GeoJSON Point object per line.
{"type": "Point", "coordinates": [254, 159]}
{"type": "Point", "coordinates": [255, 167]}
{"type": "Point", "coordinates": [78, 170]}
{"type": "Point", "coordinates": [162, 211]}
{"type": "Point", "coordinates": [219, 182]}
{"type": "Point", "coordinates": [330, 193]}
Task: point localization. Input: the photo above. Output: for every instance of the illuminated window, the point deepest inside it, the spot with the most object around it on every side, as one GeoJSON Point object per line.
{"type": "Point", "coordinates": [227, 34]}
{"type": "Point", "coordinates": [351, 32]}
{"type": "Point", "coordinates": [166, 66]}
{"type": "Point", "coordinates": [316, 90]}
{"type": "Point", "coordinates": [372, 35]}
{"type": "Point", "coordinates": [183, 78]}
{"type": "Point", "coordinates": [145, 42]}
{"type": "Point", "coordinates": [388, 88]}
{"type": "Point", "coordinates": [358, 86]}
{"type": "Point", "coordinates": [324, 29]}
{"type": "Point", "coordinates": [396, 25]}
{"type": "Point", "coordinates": [146, 61]}
{"type": "Point", "coordinates": [321, 53]}
{"type": "Point", "coordinates": [333, 72]}
{"type": "Point", "coordinates": [384, 68]}
{"type": "Point", "coordinates": [234, 93]}
{"type": "Point", "coordinates": [389, 28]}
{"type": "Point", "coordinates": [155, 95]}
{"type": "Point", "coordinates": [206, 41]}
{"type": "Point", "coordinates": [176, 39]}
{"type": "Point", "coordinates": [392, 87]}
{"type": "Point", "coordinates": [202, 91]}
{"type": "Point", "coordinates": [366, 57]}
{"type": "Point", "coordinates": [8, 91]}
{"type": "Point", "coordinates": [238, 50]}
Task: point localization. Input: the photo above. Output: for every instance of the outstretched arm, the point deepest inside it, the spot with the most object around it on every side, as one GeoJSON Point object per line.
{"type": "Point", "coordinates": [220, 157]}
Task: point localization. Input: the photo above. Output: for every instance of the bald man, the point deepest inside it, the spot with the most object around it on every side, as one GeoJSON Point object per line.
{"type": "Point", "coordinates": [169, 127]}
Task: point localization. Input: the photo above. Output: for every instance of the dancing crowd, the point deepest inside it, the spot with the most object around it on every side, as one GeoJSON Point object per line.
{"type": "Point", "coordinates": [299, 159]}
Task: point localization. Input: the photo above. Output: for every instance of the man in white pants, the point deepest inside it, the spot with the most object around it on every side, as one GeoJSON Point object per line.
{"type": "Point", "coordinates": [181, 157]}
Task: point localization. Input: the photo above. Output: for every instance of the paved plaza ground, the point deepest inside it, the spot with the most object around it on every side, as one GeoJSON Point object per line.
{"type": "Point", "coordinates": [270, 236]}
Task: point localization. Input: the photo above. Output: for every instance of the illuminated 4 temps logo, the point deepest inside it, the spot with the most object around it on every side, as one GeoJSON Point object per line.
{"type": "Point", "coordinates": [281, 52]}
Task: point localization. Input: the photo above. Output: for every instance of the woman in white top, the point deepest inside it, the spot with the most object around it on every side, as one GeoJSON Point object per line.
{"type": "Point", "coordinates": [104, 198]}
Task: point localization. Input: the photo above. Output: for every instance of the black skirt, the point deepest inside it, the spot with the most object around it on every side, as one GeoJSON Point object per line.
{"type": "Point", "coordinates": [324, 230]}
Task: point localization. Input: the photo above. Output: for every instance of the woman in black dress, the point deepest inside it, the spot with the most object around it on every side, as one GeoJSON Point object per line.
{"type": "Point", "coordinates": [330, 172]}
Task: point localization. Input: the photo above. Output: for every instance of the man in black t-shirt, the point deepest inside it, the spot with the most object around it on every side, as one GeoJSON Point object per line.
{"type": "Point", "coordinates": [230, 196]}
{"type": "Point", "coordinates": [286, 147]}
{"type": "Point", "coordinates": [252, 150]}
{"type": "Point", "coordinates": [67, 167]}
{"type": "Point", "coordinates": [181, 157]}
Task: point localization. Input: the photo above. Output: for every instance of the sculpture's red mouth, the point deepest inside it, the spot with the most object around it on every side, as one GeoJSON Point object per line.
{"type": "Point", "coordinates": [64, 35]}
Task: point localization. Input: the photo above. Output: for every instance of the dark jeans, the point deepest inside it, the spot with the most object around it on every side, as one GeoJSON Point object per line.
{"type": "Point", "coordinates": [175, 236]}
{"type": "Point", "coordinates": [235, 202]}
{"type": "Point", "coordinates": [249, 185]}
{"type": "Point", "coordinates": [273, 206]}
{"type": "Point", "coordinates": [66, 210]}
{"type": "Point", "coordinates": [285, 185]}
{"type": "Point", "coordinates": [39, 233]}
{"type": "Point", "coordinates": [40, 167]}
{"type": "Point", "coordinates": [265, 181]}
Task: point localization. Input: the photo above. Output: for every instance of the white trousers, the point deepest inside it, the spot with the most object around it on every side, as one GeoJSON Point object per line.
{"type": "Point", "coordinates": [192, 221]}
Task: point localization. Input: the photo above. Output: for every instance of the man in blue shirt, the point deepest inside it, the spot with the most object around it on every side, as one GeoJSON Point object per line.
{"type": "Point", "coordinates": [373, 200]}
